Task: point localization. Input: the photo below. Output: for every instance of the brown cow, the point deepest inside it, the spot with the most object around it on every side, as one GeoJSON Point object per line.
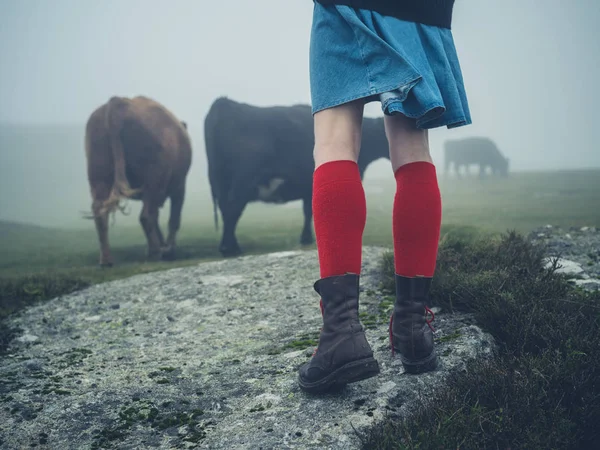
{"type": "Point", "coordinates": [137, 149]}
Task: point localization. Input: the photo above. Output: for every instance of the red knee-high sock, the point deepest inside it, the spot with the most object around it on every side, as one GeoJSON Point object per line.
{"type": "Point", "coordinates": [340, 215]}
{"type": "Point", "coordinates": [417, 218]}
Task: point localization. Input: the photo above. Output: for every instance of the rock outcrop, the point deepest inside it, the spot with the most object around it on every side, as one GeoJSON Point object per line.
{"type": "Point", "coordinates": [577, 251]}
{"type": "Point", "coordinates": [205, 357]}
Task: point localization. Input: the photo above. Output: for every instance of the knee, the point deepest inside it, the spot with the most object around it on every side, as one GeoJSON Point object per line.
{"type": "Point", "coordinates": [402, 153]}
{"type": "Point", "coordinates": [144, 218]}
{"type": "Point", "coordinates": [334, 151]}
{"type": "Point", "coordinates": [407, 143]}
{"type": "Point", "coordinates": [96, 207]}
{"type": "Point", "coordinates": [338, 133]}
{"type": "Point", "coordinates": [410, 157]}
{"type": "Point", "coordinates": [99, 210]}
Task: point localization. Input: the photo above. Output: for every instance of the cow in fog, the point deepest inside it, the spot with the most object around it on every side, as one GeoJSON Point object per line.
{"type": "Point", "coordinates": [137, 149]}
{"type": "Point", "coordinates": [474, 150]}
{"type": "Point", "coordinates": [266, 154]}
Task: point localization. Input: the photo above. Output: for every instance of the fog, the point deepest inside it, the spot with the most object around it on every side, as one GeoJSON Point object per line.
{"type": "Point", "coordinates": [531, 70]}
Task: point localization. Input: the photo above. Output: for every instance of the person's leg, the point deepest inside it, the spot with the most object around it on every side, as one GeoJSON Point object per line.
{"type": "Point", "coordinates": [339, 205]}
{"type": "Point", "coordinates": [343, 355]}
{"type": "Point", "coordinates": [417, 215]}
{"type": "Point", "coordinates": [417, 209]}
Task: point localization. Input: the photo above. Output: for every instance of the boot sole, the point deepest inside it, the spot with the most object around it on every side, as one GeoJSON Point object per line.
{"type": "Point", "coordinates": [348, 373]}
{"type": "Point", "coordinates": [424, 365]}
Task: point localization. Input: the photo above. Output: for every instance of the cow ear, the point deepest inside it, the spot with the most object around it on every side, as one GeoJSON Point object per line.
{"type": "Point", "coordinates": [184, 124]}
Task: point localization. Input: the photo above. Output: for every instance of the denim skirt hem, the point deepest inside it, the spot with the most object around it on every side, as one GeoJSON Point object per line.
{"type": "Point", "coordinates": [411, 69]}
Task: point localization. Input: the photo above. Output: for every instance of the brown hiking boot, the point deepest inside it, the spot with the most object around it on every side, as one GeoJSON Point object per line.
{"type": "Point", "coordinates": [410, 333]}
{"type": "Point", "coordinates": [343, 355]}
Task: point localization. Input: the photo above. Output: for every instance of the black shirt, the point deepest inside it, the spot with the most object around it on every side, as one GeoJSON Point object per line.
{"type": "Point", "coordinates": [428, 12]}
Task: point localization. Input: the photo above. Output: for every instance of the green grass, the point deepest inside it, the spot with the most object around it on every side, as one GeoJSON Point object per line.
{"type": "Point", "coordinates": [544, 389]}
{"type": "Point", "coordinates": [38, 263]}
{"type": "Point", "coordinates": [524, 201]}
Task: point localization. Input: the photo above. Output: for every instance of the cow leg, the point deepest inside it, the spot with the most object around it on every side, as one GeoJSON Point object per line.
{"type": "Point", "coordinates": [159, 233]}
{"type": "Point", "coordinates": [149, 222]}
{"type": "Point", "coordinates": [101, 193]}
{"type": "Point", "coordinates": [231, 214]}
{"type": "Point", "coordinates": [161, 238]}
{"type": "Point", "coordinates": [101, 221]}
{"type": "Point", "coordinates": [174, 222]}
{"type": "Point", "coordinates": [307, 237]}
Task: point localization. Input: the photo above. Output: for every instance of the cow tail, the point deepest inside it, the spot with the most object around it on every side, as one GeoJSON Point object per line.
{"type": "Point", "coordinates": [120, 187]}
{"type": "Point", "coordinates": [211, 159]}
{"type": "Point", "coordinates": [215, 213]}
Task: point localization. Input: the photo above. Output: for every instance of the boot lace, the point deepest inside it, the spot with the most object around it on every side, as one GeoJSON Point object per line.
{"type": "Point", "coordinates": [431, 320]}
{"type": "Point", "coordinates": [427, 310]}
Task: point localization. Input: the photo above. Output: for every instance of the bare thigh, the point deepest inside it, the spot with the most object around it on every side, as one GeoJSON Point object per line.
{"type": "Point", "coordinates": [407, 143]}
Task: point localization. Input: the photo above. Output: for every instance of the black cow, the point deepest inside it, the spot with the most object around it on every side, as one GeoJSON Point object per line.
{"type": "Point", "coordinates": [266, 154]}
{"type": "Point", "coordinates": [474, 150]}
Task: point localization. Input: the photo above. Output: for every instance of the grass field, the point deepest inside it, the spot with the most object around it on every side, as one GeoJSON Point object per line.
{"type": "Point", "coordinates": [542, 390]}
{"type": "Point", "coordinates": [38, 262]}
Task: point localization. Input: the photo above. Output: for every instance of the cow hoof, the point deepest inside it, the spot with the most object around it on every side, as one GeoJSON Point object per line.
{"type": "Point", "coordinates": [154, 256]}
{"type": "Point", "coordinates": [306, 241]}
{"type": "Point", "coordinates": [168, 254]}
{"type": "Point", "coordinates": [230, 252]}
{"type": "Point", "coordinates": [106, 265]}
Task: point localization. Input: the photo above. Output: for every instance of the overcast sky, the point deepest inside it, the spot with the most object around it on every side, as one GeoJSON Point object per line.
{"type": "Point", "coordinates": [532, 67]}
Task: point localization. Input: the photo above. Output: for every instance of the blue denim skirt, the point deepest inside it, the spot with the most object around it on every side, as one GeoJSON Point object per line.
{"type": "Point", "coordinates": [412, 69]}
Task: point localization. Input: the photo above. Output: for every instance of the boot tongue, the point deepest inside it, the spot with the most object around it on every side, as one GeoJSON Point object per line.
{"type": "Point", "coordinates": [327, 286]}
{"type": "Point", "coordinates": [339, 295]}
{"type": "Point", "coordinates": [316, 286]}
{"type": "Point", "coordinates": [415, 289]}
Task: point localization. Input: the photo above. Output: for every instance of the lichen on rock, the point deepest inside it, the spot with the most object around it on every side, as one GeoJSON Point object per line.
{"type": "Point", "coordinates": [206, 357]}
